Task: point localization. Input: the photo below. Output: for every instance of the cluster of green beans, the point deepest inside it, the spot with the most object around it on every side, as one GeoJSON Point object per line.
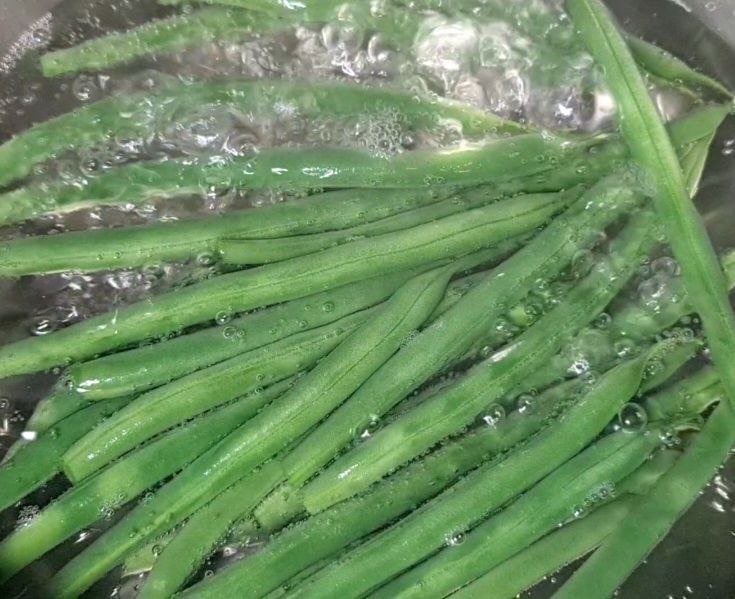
{"type": "Point", "coordinates": [431, 379]}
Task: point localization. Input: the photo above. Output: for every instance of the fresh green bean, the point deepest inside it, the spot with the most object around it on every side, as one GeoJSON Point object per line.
{"type": "Point", "coordinates": [453, 333]}
{"type": "Point", "coordinates": [181, 241]}
{"type": "Point", "coordinates": [36, 462]}
{"type": "Point", "coordinates": [60, 404]}
{"type": "Point", "coordinates": [537, 512]}
{"type": "Point", "coordinates": [477, 494]}
{"type": "Point", "coordinates": [444, 239]}
{"type": "Point", "coordinates": [166, 406]}
{"type": "Point", "coordinates": [487, 382]}
{"type": "Point", "coordinates": [573, 541]}
{"type": "Point", "coordinates": [201, 533]}
{"type": "Point", "coordinates": [143, 368]}
{"type": "Point", "coordinates": [322, 535]}
{"type": "Point", "coordinates": [164, 35]}
{"type": "Point", "coordinates": [263, 251]}
{"type": "Point", "coordinates": [661, 63]}
{"type": "Point", "coordinates": [688, 397]}
{"type": "Point", "coordinates": [285, 420]}
{"type": "Point", "coordinates": [302, 170]}
{"type": "Point", "coordinates": [147, 113]}
{"type": "Point", "coordinates": [99, 496]}
{"type": "Point", "coordinates": [650, 146]}
{"type": "Point", "coordinates": [653, 515]}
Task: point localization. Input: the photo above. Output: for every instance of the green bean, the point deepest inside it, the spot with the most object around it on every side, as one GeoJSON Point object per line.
{"type": "Point", "coordinates": [204, 530]}
{"type": "Point", "coordinates": [143, 368]}
{"type": "Point", "coordinates": [645, 135]}
{"type": "Point", "coordinates": [477, 494]}
{"type": "Point", "coordinates": [60, 404]}
{"type": "Point", "coordinates": [302, 170]}
{"type": "Point", "coordinates": [308, 541]}
{"type": "Point", "coordinates": [263, 251]}
{"type": "Point", "coordinates": [486, 382]}
{"type": "Point", "coordinates": [181, 241]}
{"type": "Point", "coordinates": [147, 113]}
{"type": "Point", "coordinates": [573, 541]}
{"type": "Point", "coordinates": [36, 462]}
{"type": "Point", "coordinates": [285, 420]}
{"type": "Point", "coordinates": [688, 397]}
{"type": "Point", "coordinates": [166, 406]}
{"type": "Point", "coordinates": [444, 239]}
{"type": "Point", "coordinates": [653, 515]}
{"type": "Point", "coordinates": [453, 333]}
{"type": "Point", "coordinates": [661, 63]}
{"type": "Point", "coordinates": [548, 555]}
{"type": "Point", "coordinates": [98, 497]}
{"type": "Point", "coordinates": [537, 512]}
{"type": "Point", "coordinates": [164, 35]}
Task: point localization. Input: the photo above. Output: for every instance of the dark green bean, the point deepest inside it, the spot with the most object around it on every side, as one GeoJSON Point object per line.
{"type": "Point", "coordinates": [537, 512]}
{"type": "Point", "coordinates": [143, 368]}
{"type": "Point", "coordinates": [477, 494]}
{"type": "Point", "coordinates": [487, 382]}
{"type": "Point", "coordinates": [461, 326]}
{"type": "Point", "coordinates": [651, 147]}
{"type": "Point", "coordinates": [427, 244]}
{"type": "Point", "coordinates": [36, 462]}
{"type": "Point", "coordinates": [99, 496]}
{"type": "Point", "coordinates": [147, 113]}
{"type": "Point", "coordinates": [164, 35]}
{"type": "Point", "coordinates": [500, 160]}
{"type": "Point", "coordinates": [283, 422]}
{"type": "Point", "coordinates": [166, 406]}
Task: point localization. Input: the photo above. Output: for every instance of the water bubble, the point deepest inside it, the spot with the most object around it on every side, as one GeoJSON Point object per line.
{"type": "Point", "coordinates": [728, 147]}
{"type": "Point", "coordinates": [665, 266]}
{"type": "Point", "coordinates": [579, 366]}
{"type": "Point", "coordinates": [454, 539]}
{"type": "Point", "coordinates": [328, 307]}
{"type": "Point", "coordinates": [526, 403]}
{"type": "Point", "coordinates": [632, 418]}
{"type": "Point", "coordinates": [669, 438]}
{"type": "Point", "coordinates": [223, 317]}
{"type": "Point", "coordinates": [229, 332]}
{"type": "Point", "coordinates": [579, 511]}
{"type": "Point", "coordinates": [206, 259]}
{"type": "Point", "coordinates": [494, 415]}
{"type": "Point", "coordinates": [624, 348]}
{"type": "Point", "coordinates": [43, 326]}
{"type": "Point", "coordinates": [372, 427]}
{"type": "Point", "coordinates": [84, 88]}
{"type": "Point", "coordinates": [602, 321]}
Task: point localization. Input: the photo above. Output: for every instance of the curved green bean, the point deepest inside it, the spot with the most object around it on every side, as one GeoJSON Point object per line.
{"type": "Point", "coordinates": [163, 35]}
{"type": "Point", "coordinates": [285, 420]}
{"type": "Point", "coordinates": [146, 113]}
{"type": "Point", "coordinates": [444, 239]}
{"type": "Point", "coordinates": [489, 381]}
{"type": "Point", "coordinates": [477, 494]}
{"type": "Point", "coordinates": [36, 462]}
{"type": "Point", "coordinates": [99, 496]}
{"type": "Point", "coordinates": [653, 515]}
{"type": "Point", "coordinates": [566, 545]}
{"type": "Point", "coordinates": [537, 512]}
{"type": "Point", "coordinates": [166, 406]}
{"type": "Point", "coordinates": [690, 396]}
{"type": "Point", "coordinates": [60, 404]}
{"type": "Point", "coordinates": [452, 334]}
{"type": "Point", "coordinates": [263, 251]}
{"type": "Point", "coordinates": [650, 146]}
{"type": "Point", "coordinates": [322, 535]}
{"type": "Point", "coordinates": [499, 160]}
{"type": "Point", "coordinates": [143, 368]}
{"type": "Point", "coordinates": [201, 533]}
{"type": "Point", "coordinates": [661, 63]}
{"type": "Point", "coordinates": [189, 239]}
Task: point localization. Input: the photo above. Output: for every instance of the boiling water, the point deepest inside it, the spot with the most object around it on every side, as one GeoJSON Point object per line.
{"type": "Point", "coordinates": [488, 54]}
